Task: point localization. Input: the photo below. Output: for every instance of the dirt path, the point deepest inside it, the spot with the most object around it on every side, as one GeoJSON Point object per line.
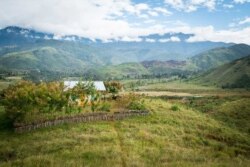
{"type": "Point", "coordinates": [202, 94]}
{"type": "Point", "coordinates": [165, 93]}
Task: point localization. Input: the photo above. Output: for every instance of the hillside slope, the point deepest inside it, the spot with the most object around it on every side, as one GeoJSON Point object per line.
{"type": "Point", "coordinates": [45, 58]}
{"type": "Point", "coordinates": [216, 57]}
{"type": "Point", "coordinates": [164, 138]}
{"type": "Point", "coordinates": [235, 74]}
{"type": "Point", "coordinates": [124, 70]}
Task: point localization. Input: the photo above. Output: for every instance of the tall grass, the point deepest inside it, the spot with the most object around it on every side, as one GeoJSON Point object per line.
{"type": "Point", "coordinates": [165, 138]}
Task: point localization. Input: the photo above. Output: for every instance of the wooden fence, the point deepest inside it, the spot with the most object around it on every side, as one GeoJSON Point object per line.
{"type": "Point", "coordinates": [89, 117]}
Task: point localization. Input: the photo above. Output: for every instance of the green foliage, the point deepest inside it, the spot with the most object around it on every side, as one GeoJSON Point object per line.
{"type": "Point", "coordinates": [44, 58]}
{"type": "Point", "coordinates": [28, 98]}
{"type": "Point", "coordinates": [123, 70]}
{"type": "Point", "coordinates": [232, 75]}
{"type": "Point", "coordinates": [175, 108]}
{"type": "Point", "coordinates": [206, 104]}
{"type": "Point", "coordinates": [135, 103]}
{"type": "Point", "coordinates": [105, 107]}
{"type": "Point", "coordinates": [84, 93]}
{"type": "Point", "coordinates": [113, 86]}
{"type": "Point", "coordinates": [235, 113]}
{"type": "Point", "coordinates": [242, 82]}
{"type": "Point", "coordinates": [219, 56]}
{"type": "Point", "coordinates": [163, 138]}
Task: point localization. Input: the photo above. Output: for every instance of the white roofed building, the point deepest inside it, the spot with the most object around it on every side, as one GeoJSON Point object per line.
{"type": "Point", "coordinates": [99, 85]}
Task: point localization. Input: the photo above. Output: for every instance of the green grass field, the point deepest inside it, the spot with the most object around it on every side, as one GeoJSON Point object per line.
{"type": "Point", "coordinates": [176, 85]}
{"type": "Point", "coordinates": [185, 137]}
{"type": "Point", "coordinates": [182, 86]}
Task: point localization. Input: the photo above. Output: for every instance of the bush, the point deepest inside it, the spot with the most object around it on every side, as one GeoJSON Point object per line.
{"type": "Point", "coordinates": [131, 102]}
{"type": "Point", "coordinates": [105, 107]}
{"type": "Point", "coordinates": [136, 105]}
{"type": "Point", "coordinates": [113, 87]}
{"type": "Point", "coordinates": [29, 98]}
{"type": "Point", "coordinates": [175, 108]}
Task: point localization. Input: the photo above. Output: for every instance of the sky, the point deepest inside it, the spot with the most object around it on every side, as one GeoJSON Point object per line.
{"type": "Point", "coordinates": [127, 20]}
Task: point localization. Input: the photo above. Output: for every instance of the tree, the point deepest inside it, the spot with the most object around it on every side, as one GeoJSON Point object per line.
{"type": "Point", "coordinates": [113, 87]}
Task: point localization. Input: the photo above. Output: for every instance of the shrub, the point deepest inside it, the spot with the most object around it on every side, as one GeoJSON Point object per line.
{"type": "Point", "coordinates": [131, 101]}
{"type": "Point", "coordinates": [29, 98]}
{"type": "Point", "coordinates": [175, 108]}
{"type": "Point", "coordinates": [113, 87]}
{"type": "Point", "coordinates": [105, 107]}
{"type": "Point", "coordinates": [136, 105]}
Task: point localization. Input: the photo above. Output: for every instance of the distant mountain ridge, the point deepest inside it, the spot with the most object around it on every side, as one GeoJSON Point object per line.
{"type": "Point", "coordinates": [235, 74]}
{"type": "Point", "coordinates": [219, 56]}
{"type": "Point", "coordinates": [28, 49]}
{"type": "Point", "coordinates": [117, 51]}
{"type": "Point", "coordinates": [31, 34]}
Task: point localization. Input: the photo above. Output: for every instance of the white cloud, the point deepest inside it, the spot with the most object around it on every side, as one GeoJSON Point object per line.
{"type": "Point", "coordinates": [92, 19]}
{"type": "Point", "coordinates": [209, 34]}
{"type": "Point", "coordinates": [129, 39]}
{"type": "Point", "coordinates": [228, 6]}
{"type": "Point", "coordinates": [191, 5]}
{"type": "Point", "coordinates": [178, 4]}
{"type": "Point", "coordinates": [149, 40]}
{"type": "Point", "coordinates": [46, 37]}
{"type": "Point", "coordinates": [241, 1]}
{"type": "Point", "coordinates": [171, 39]}
{"type": "Point", "coordinates": [70, 38]}
{"type": "Point", "coordinates": [143, 16]}
{"type": "Point", "coordinates": [232, 25]}
{"type": "Point", "coordinates": [164, 40]}
{"type": "Point", "coordinates": [245, 21]}
{"type": "Point", "coordinates": [149, 21]}
{"type": "Point", "coordinates": [240, 23]}
{"type": "Point", "coordinates": [175, 39]}
{"type": "Point", "coordinates": [152, 13]}
{"type": "Point", "coordinates": [108, 20]}
{"type": "Point", "coordinates": [141, 6]}
{"type": "Point", "coordinates": [163, 11]}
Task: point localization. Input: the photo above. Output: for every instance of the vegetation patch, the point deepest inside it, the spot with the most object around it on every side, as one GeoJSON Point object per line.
{"type": "Point", "coordinates": [175, 107]}
{"type": "Point", "coordinates": [27, 102]}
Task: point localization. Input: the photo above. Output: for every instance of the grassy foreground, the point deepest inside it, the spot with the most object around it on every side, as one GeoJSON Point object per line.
{"type": "Point", "coordinates": [185, 137]}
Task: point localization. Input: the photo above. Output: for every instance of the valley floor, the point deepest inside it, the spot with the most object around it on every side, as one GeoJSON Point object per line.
{"type": "Point", "coordinates": [188, 136]}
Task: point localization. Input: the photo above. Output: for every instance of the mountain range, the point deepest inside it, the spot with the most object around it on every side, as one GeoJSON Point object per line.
{"type": "Point", "coordinates": [16, 39]}
{"type": "Point", "coordinates": [27, 49]}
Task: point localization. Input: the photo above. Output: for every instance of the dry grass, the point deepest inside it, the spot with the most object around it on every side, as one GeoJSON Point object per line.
{"type": "Point", "coordinates": [165, 138]}
{"type": "Point", "coordinates": [164, 93]}
{"type": "Point", "coordinates": [181, 88]}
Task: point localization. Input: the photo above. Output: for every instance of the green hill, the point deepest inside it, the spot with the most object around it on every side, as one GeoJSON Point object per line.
{"type": "Point", "coordinates": [45, 58]}
{"type": "Point", "coordinates": [235, 74]}
{"type": "Point", "coordinates": [216, 57]}
{"type": "Point", "coordinates": [98, 62]}
{"type": "Point", "coordinates": [119, 71]}
{"type": "Point", "coordinates": [146, 68]}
